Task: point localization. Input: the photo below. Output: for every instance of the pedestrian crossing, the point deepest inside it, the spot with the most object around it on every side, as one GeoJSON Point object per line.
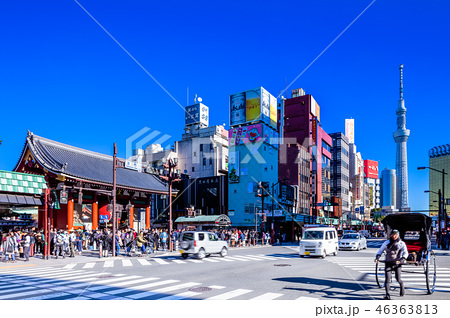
{"type": "Point", "coordinates": [412, 276]}
{"type": "Point", "coordinates": [129, 262]}
{"type": "Point", "coordinates": [68, 284]}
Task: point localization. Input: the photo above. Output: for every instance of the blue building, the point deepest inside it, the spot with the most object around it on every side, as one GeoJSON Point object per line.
{"type": "Point", "coordinates": [389, 190]}
{"type": "Point", "coordinates": [253, 156]}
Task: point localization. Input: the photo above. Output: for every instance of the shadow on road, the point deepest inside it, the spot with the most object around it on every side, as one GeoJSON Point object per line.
{"type": "Point", "coordinates": [345, 290]}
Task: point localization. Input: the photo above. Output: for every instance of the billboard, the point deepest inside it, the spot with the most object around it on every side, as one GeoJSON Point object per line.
{"type": "Point", "coordinates": [273, 112]}
{"type": "Point", "coordinates": [350, 130]}
{"type": "Point", "coordinates": [197, 114]}
{"type": "Point", "coordinates": [245, 135]}
{"type": "Point", "coordinates": [251, 134]}
{"type": "Point", "coordinates": [233, 167]}
{"type": "Point", "coordinates": [315, 108]}
{"type": "Point", "coordinates": [253, 105]}
{"type": "Point", "coordinates": [371, 169]}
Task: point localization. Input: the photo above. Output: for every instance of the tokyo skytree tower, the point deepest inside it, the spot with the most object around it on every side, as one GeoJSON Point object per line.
{"type": "Point", "coordinates": [401, 162]}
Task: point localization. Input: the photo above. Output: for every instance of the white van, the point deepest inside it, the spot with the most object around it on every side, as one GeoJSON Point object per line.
{"type": "Point", "coordinates": [319, 241]}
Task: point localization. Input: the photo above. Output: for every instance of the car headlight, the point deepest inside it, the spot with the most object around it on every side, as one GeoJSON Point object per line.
{"type": "Point", "coordinates": [353, 243]}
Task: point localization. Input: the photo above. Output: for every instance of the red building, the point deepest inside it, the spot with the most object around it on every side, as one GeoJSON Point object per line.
{"type": "Point", "coordinates": [86, 177]}
{"type": "Point", "coordinates": [302, 130]}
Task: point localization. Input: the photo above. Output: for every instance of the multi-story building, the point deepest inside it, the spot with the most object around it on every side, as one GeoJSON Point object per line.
{"type": "Point", "coordinates": [340, 186]}
{"type": "Point", "coordinates": [203, 151]}
{"type": "Point", "coordinates": [253, 157]}
{"type": "Point", "coordinates": [439, 159]}
{"type": "Point", "coordinates": [356, 174]}
{"type": "Point", "coordinates": [389, 190]}
{"type": "Point", "coordinates": [302, 126]}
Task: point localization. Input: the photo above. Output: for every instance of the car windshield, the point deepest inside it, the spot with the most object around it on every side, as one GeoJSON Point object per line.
{"type": "Point", "coordinates": [350, 237]}
{"type": "Point", "coordinates": [313, 235]}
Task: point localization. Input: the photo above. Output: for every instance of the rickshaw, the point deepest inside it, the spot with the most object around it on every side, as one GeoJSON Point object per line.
{"type": "Point", "coordinates": [415, 230]}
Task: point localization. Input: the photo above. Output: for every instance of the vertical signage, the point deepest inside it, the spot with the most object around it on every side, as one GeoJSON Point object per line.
{"type": "Point", "coordinates": [314, 130]}
{"type": "Point", "coordinates": [350, 130]}
{"type": "Point", "coordinates": [237, 109]}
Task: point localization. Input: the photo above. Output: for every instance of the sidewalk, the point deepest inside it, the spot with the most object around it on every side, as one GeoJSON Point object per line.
{"type": "Point", "coordinates": [92, 256]}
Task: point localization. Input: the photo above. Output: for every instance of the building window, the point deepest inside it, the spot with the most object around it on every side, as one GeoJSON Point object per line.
{"type": "Point", "coordinates": [326, 146]}
{"type": "Point", "coordinates": [193, 169]}
{"type": "Point", "coordinates": [211, 147]}
{"type": "Point", "coordinates": [210, 161]}
{"type": "Point", "coordinates": [195, 154]}
{"type": "Point", "coordinates": [204, 161]}
{"type": "Point", "coordinates": [201, 147]}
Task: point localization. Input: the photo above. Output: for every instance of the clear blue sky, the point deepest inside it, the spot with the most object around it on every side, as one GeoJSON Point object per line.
{"type": "Point", "coordinates": [64, 78]}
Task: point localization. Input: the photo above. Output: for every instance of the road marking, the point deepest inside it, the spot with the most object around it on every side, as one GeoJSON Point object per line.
{"type": "Point", "coordinates": [236, 258]}
{"type": "Point", "coordinates": [250, 258]}
{"type": "Point", "coordinates": [172, 288]}
{"type": "Point", "coordinates": [109, 264]}
{"type": "Point", "coordinates": [70, 266]}
{"type": "Point", "coordinates": [149, 293]}
{"type": "Point", "coordinates": [195, 261]}
{"type": "Point", "coordinates": [210, 260]}
{"type": "Point", "coordinates": [180, 296]}
{"type": "Point", "coordinates": [267, 296]}
{"type": "Point", "coordinates": [126, 262]}
{"type": "Point", "coordinates": [179, 261]}
{"type": "Point", "coordinates": [16, 266]}
{"type": "Point", "coordinates": [144, 262]}
{"type": "Point", "coordinates": [231, 294]}
{"type": "Point", "coordinates": [132, 282]}
{"type": "Point", "coordinates": [160, 261]}
{"type": "Point", "coordinates": [306, 298]}
{"type": "Point", "coordinates": [47, 296]}
{"type": "Point", "coordinates": [216, 287]}
{"type": "Point", "coordinates": [89, 265]}
{"type": "Point", "coordinates": [35, 292]}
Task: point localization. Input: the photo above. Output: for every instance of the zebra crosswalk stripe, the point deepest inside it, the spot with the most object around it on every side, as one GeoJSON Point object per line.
{"type": "Point", "coordinates": [237, 258]}
{"type": "Point", "coordinates": [109, 264]}
{"type": "Point", "coordinates": [126, 262]}
{"type": "Point", "coordinates": [144, 262]}
{"type": "Point", "coordinates": [232, 294]}
{"type": "Point", "coordinates": [210, 260]}
{"type": "Point", "coordinates": [70, 266]}
{"type": "Point", "coordinates": [181, 296]}
{"type": "Point", "coordinates": [160, 261]}
{"type": "Point", "coordinates": [150, 293]}
{"type": "Point", "coordinates": [179, 261]}
{"type": "Point", "coordinates": [267, 296]}
{"type": "Point", "coordinates": [89, 265]}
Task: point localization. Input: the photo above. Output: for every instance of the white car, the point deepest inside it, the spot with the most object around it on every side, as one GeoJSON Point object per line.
{"type": "Point", "coordinates": [201, 244]}
{"type": "Point", "coordinates": [352, 241]}
{"type": "Point", "coordinates": [318, 241]}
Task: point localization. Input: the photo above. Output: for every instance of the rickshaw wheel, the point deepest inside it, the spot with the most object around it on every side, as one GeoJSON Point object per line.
{"type": "Point", "coordinates": [430, 272]}
{"type": "Point", "coordinates": [379, 275]}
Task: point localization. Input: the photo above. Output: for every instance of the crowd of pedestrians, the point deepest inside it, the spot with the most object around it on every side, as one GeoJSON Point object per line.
{"type": "Point", "coordinates": [63, 243]}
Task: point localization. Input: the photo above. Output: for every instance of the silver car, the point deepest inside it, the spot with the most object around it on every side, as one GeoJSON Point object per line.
{"type": "Point", "coordinates": [352, 241]}
{"type": "Point", "coordinates": [201, 244]}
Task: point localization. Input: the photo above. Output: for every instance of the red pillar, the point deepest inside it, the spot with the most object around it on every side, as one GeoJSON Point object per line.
{"type": "Point", "coordinates": [147, 217]}
{"type": "Point", "coordinates": [95, 216]}
{"type": "Point", "coordinates": [70, 214]}
{"type": "Point", "coordinates": [131, 217]}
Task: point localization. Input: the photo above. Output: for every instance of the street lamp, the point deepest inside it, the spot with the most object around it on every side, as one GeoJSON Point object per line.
{"type": "Point", "coordinates": [171, 176]}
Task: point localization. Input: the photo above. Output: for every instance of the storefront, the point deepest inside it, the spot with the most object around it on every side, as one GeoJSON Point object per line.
{"type": "Point", "coordinates": [20, 197]}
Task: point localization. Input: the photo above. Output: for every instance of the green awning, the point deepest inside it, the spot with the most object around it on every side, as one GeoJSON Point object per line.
{"type": "Point", "coordinates": [17, 182]}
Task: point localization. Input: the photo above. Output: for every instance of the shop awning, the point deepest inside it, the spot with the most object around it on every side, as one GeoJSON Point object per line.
{"type": "Point", "coordinates": [18, 199]}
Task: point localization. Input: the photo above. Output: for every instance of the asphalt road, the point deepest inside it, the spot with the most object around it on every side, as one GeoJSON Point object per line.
{"type": "Point", "coordinates": [247, 273]}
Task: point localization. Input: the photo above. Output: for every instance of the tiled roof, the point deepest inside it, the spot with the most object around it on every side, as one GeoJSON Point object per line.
{"type": "Point", "coordinates": [17, 182]}
{"type": "Point", "coordinates": [88, 165]}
